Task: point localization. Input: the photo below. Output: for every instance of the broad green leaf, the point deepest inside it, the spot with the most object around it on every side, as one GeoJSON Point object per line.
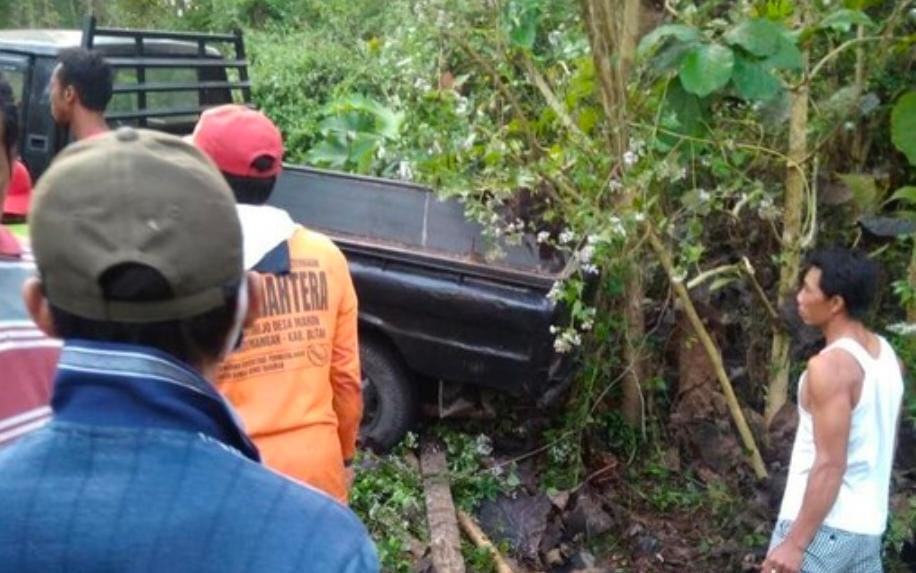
{"type": "Point", "coordinates": [903, 126]}
{"type": "Point", "coordinates": [864, 190]}
{"type": "Point", "coordinates": [753, 82]}
{"type": "Point", "coordinates": [706, 69]}
{"type": "Point", "coordinates": [906, 194]}
{"type": "Point", "coordinates": [759, 37]}
{"type": "Point", "coordinates": [688, 108]}
{"type": "Point", "coordinates": [843, 19]}
{"type": "Point", "coordinates": [522, 18]}
{"type": "Point", "coordinates": [787, 56]}
{"type": "Point", "coordinates": [670, 57]}
{"type": "Point", "coordinates": [329, 152]}
{"type": "Point", "coordinates": [653, 39]}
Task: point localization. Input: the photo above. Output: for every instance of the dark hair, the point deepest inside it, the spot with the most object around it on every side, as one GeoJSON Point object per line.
{"type": "Point", "coordinates": [192, 340]}
{"type": "Point", "coordinates": [10, 119]}
{"type": "Point", "coordinates": [89, 73]}
{"type": "Point", "coordinates": [253, 190]}
{"type": "Point", "coordinates": [849, 274]}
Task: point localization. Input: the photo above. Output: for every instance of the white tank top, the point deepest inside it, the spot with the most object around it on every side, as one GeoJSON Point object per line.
{"type": "Point", "coordinates": [862, 503]}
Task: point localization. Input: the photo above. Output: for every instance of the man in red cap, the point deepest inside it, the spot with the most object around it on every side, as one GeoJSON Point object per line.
{"type": "Point", "coordinates": [295, 380]}
{"type": "Point", "coordinates": [27, 357]}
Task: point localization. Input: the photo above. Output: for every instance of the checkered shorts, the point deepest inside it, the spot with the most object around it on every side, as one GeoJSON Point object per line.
{"type": "Point", "coordinates": [836, 551]}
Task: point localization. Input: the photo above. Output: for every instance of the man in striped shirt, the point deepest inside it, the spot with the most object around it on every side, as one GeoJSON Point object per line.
{"type": "Point", "coordinates": [27, 357]}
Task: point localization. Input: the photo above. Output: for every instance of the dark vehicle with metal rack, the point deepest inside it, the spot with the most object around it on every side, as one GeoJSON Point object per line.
{"type": "Point", "coordinates": [434, 307]}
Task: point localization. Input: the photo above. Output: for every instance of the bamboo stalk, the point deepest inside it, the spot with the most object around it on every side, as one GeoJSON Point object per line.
{"type": "Point", "coordinates": [715, 356]}
{"type": "Point", "coordinates": [480, 539]}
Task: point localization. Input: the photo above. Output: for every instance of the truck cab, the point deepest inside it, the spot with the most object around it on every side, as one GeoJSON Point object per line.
{"type": "Point", "coordinates": [163, 80]}
{"type": "Point", "coordinates": [435, 308]}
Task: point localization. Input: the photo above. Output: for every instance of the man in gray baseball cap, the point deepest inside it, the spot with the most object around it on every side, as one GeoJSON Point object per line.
{"type": "Point", "coordinates": [144, 466]}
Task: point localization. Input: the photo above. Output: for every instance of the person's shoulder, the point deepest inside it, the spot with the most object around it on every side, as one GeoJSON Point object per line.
{"type": "Point", "coordinates": [328, 535]}
{"type": "Point", "coordinates": [302, 501]}
{"type": "Point", "coordinates": [317, 241]}
{"type": "Point", "coordinates": [830, 370]}
{"type": "Point", "coordinates": [315, 237]}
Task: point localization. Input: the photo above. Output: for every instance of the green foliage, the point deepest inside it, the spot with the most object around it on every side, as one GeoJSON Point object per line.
{"type": "Point", "coordinates": [903, 126]}
{"type": "Point", "coordinates": [706, 69]}
{"type": "Point", "coordinates": [477, 559]}
{"type": "Point", "coordinates": [522, 19]}
{"type": "Point", "coordinates": [353, 132]}
{"type": "Point", "coordinates": [842, 20]}
{"type": "Point", "coordinates": [387, 495]}
{"type": "Point", "coordinates": [471, 478]}
{"type": "Point", "coordinates": [901, 526]}
{"type": "Point", "coordinates": [761, 37]}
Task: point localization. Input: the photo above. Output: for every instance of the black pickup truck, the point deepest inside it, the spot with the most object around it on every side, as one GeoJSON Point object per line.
{"type": "Point", "coordinates": [434, 309]}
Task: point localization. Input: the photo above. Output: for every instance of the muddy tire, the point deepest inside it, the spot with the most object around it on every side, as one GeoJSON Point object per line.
{"type": "Point", "coordinates": [390, 402]}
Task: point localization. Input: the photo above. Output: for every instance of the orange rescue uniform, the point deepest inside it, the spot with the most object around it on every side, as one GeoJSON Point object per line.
{"type": "Point", "coordinates": [295, 381]}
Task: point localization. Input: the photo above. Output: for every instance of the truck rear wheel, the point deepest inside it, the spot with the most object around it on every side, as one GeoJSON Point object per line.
{"type": "Point", "coordinates": [389, 397]}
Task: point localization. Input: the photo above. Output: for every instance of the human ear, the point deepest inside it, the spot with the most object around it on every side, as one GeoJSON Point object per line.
{"type": "Point", "coordinates": [38, 306]}
{"type": "Point", "coordinates": [255, 297]}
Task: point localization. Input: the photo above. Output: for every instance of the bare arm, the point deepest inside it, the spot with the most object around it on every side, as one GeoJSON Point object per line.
{"type": "Point", "coordinates": [829, 388]}
{"type": "Point", "coordinates": [830, 404]}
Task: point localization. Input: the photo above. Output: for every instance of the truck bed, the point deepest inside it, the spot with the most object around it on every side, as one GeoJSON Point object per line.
{"type": "Point", "coordinates": [406, 222]}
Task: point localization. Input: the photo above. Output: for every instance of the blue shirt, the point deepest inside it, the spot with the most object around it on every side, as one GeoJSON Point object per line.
{"type": "Point", "coordinates": [144, 468]}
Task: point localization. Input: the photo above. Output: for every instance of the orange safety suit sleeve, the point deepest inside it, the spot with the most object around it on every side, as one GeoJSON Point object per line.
{"type": "Point", "coordinates": [346, 380]}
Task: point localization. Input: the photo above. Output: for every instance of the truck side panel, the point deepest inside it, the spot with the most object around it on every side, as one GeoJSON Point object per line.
{"type": "Point", "coordinates": [454, 329]}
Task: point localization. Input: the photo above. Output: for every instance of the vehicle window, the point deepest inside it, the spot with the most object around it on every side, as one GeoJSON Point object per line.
{"type": "Point", "coordinates": [15, 75]}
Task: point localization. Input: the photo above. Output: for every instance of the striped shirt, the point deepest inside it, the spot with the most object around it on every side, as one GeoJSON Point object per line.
{"type": "Point", "coordinates": [27, 357]}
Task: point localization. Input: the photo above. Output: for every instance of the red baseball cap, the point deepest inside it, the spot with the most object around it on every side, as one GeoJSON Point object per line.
{"type": "Point", "coordinates": [19, 193]}
{"type": "Point", "coordinates": [234, 136]}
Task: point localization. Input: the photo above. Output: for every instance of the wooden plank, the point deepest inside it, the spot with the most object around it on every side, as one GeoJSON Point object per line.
{"type": "Point", "coordinates": [444, 536]}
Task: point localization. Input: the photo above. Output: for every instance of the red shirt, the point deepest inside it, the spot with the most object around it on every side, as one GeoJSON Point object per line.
{"type": "Point", "coordinates": [28, 359]}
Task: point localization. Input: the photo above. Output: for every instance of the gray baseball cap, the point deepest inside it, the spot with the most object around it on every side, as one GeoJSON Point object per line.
{"type": "Point", "coordinates": [135, 196]}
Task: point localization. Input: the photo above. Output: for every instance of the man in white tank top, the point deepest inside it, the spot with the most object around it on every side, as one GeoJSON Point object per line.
{"type": "Point", "coordinates": [834, 509]}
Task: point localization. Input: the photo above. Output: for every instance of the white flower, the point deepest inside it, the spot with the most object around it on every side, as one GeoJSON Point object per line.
{"type": "Point", "coordinates": [567, 236]}
{"type": "Point", "coordinates": [639, 217]}
{"type": "Point", "coordinates": [483, 445]}
{"type": "Point", "coordinates": [554, 329]}
{"type": "Point", "coordinates": [590, 269]}
{"type": "Point", "coordinates": [543, 236]}
{"type": "Point", "coordinates": [902, 328]}
{"type": "Point", "coordinates": [703, 195]}
{"type": "Point", "coordinates": [585, 254]}
{"type": "Point", "coordinates": [405, 172]}
{"type": "Point", "coordinates": [587, 324]}
{"type": "Point", "coordinates": [554, 294]}
{"type": "Point", "coordinates": [567, 340]}
{"type": "Point", "coordinates": [630, 158]}
{"type": "Point", "coordinates": [592, 240]}
{"type": "Point", "coordinates": [615, 185]}
{"type": "Point", "coordinates": [617, 227]}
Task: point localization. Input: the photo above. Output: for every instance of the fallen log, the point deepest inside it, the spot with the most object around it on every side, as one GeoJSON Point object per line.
{"type": "Point", "coordinates": [444, 536]}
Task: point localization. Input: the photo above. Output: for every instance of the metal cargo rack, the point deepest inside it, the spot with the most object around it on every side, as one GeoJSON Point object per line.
{"type": "Point", "coordinates": [155, 49]}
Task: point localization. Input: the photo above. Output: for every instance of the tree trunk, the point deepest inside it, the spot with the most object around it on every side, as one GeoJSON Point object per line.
{"type": "Point", "coordinates": [714, 354]}
{"type": "Point", "coordinates": [793, 207]}
{"type": "Point", "coordinates": [613, 42]}
{"type": "Point", "coordinates": [911, 274]}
